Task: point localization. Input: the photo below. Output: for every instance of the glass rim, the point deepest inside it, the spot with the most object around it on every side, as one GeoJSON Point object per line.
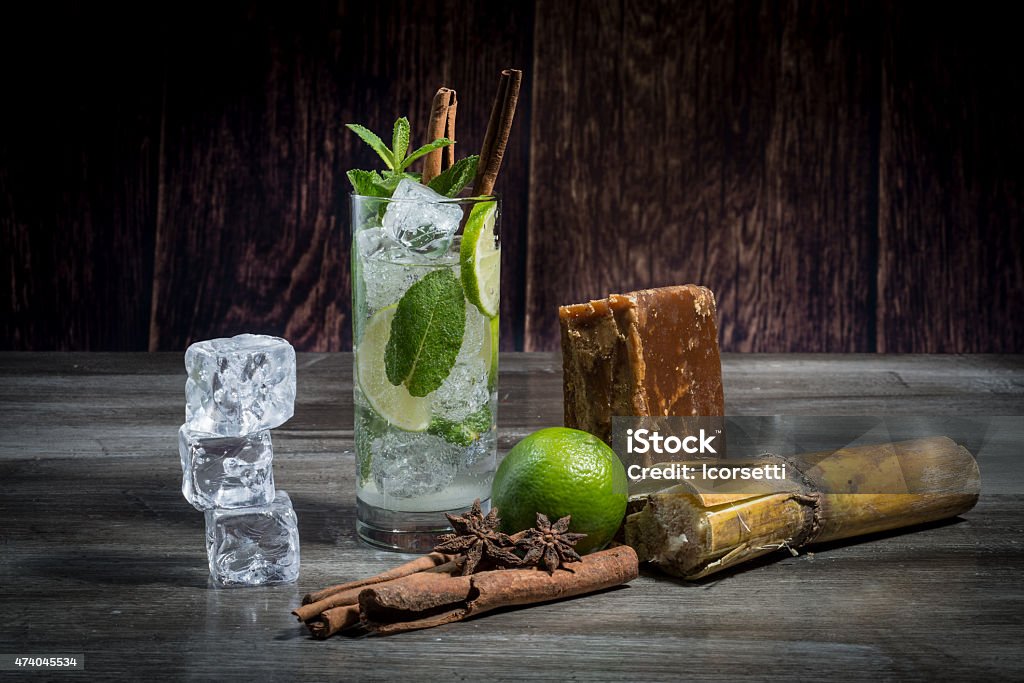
{"type": "Point", "coordinates": [479, 199]}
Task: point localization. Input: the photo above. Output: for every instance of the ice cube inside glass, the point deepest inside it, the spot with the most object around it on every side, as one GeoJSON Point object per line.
{"type": "Point", "coordinates": [253, 546]}
{"type": "Point", "coordinates": [239, 385]}
{"type": "Point", "coordinates": [421, 220]}
{"type": "Point", "coordinates": [418, 456]}
{"type": "Point", "coordinates": [226, 471]}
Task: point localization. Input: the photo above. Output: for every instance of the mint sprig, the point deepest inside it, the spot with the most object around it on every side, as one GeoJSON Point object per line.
{"type": "Point", "coordinates": [400, 139]}
{"type": "Point", "coordinates": [455, 177]}
{"type": "Point", "coordinates": [367, 183]}
{"type": "Point", "coordinates": [397, 160]}
{"type": "Point", "coordinates": [426, 149]}
{"type": "Point", "coordinates": [375, 143]}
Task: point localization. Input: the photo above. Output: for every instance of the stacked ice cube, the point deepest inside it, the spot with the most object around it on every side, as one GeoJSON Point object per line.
{"type": "Point", "coordinates": [238, 389]}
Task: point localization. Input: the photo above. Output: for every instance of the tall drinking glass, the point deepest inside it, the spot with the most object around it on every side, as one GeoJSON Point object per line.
{"type": "Point", "coordinates": [425, 334]}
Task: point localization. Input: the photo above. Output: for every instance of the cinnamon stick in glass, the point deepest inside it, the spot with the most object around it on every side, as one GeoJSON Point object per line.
{"type": "Point", "coordinates": [498, 128]}
{"type": "Point", "coordinates": [449, 129]}
{"type": "Point", "coordinates": [442, 124]}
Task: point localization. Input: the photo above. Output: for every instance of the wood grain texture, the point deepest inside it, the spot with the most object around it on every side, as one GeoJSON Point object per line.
{"type": "Point", "coordinates": [843, 175]}
{"type": "Point", "coordinates": [102, 556]}
{"type": "Point", "coordinates": [724, 144]}
{"type": "Point", "coordinates": [79, 132]}
{"type": "Point", "coordinates": [950, 183]}
{"type": "Point", "coordinates": [253, 223]}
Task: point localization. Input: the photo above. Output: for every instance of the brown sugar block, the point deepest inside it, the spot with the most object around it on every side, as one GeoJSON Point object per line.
{"type": "Point", "coordinates": [652, 352]}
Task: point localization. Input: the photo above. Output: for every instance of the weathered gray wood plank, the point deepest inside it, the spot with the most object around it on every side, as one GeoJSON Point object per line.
{"type": "Point", "coordinates": [101, 555]}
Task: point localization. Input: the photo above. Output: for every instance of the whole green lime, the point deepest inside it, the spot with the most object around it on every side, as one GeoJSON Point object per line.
{"type": "Point", "coordinates": [558, 472]}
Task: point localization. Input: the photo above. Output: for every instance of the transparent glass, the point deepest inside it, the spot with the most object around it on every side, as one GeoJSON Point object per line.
{"type": "Point", "coordinates": [418, 457]}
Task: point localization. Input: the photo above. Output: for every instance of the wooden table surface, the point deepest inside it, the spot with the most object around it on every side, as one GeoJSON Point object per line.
{"type": "Point", "coordinates": [102, 556]}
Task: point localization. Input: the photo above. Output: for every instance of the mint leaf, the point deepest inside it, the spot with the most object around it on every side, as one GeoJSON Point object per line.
{"type": "Point", "coordinates": [383, 184]}
{"type": "Point", "coordinates": [367, 183]}
{"type": "Point", "coordinates": [391, 179]}
{"type": "Point", "coordinates": [400, 139]}
{"type": "Point", "coordinates": [371, 138]}
{"type": "Point", "coordinates": [423, 151]}
{"type": "Point", "coordinates": [455, 177]}
{"type": "Point", "coordinates": [462, 433]}
{"type": "Point", "coordinates": [426, 333]}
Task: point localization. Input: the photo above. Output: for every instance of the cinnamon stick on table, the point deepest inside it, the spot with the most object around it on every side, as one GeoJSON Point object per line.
{"type": "Point", "coordinates": [498, 128]}
{"type": "Point", "coordinates": [329, 622]}
{"type": "Point", "coordinates": [426, 600]}
{"type": "Point", "coordinates": [438, 595]}
{"type": "Point", "coordinates": [442, 124]}
{"type": "Point", "coordinates": [349, 593]}
{"type": "Point", "coordinates": [419, 564]}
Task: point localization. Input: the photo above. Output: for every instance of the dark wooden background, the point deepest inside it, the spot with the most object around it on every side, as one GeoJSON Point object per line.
{"type": "Point", "coordinates": [845, 176]}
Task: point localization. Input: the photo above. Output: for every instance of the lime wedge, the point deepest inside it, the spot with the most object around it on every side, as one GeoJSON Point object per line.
{"type": "Point", "coordinates": [394, 403]}
{"type": "Point", "coordinates": [480, 259]}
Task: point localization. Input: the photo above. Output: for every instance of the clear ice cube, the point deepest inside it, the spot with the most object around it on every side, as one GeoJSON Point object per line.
{"type": "Point", "coordinates": [239, 385]}
{"type": "Point", "coordinates": [466, 389]}
{"type": "Point", "coordinates": [422, 220]}
{"type": "Point", "coordinates": [377, 243]}
{"type": "Point", "coordinates": [370, 242]}
{"type": "Point", "coordinates": [479, 451]}
{"type": "Point", "coordinates": [463, 392]}
{"type": "Point", "coordinates": [476, 336]}
{"type": "Point", "coordinates": [386, 280]}
{"type": "Point", "coordinates": [253, 546]}
{"type": "Point", "coordinates": [409, 465]}
{"type": "Point", "coordinates": [226, 471]}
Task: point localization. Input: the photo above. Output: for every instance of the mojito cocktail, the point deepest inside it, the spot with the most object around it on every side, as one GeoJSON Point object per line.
{"type": "Point", "coordinates": [425, 274]}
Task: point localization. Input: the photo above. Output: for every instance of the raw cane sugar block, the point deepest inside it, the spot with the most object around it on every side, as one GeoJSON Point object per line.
{"type": "Point", "coordinates": [652, 352]}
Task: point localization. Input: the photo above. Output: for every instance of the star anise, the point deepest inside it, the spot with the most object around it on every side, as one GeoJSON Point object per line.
{"type": "Point", "coordinates": [550, 544]}
{"type": "Point", "coordinates": [477, 538]}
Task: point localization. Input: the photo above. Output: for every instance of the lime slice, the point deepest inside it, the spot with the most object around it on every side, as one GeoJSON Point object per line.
{"type": "Point", "coordinates": [480, 259]}
{"type": "Point", "coordinates": [394, 403]}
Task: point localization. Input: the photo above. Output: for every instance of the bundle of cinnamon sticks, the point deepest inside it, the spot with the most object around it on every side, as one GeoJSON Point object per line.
{"type": "Point", "coordinates": [429, 591]}
{"type": "Point", "coordinates": [443, 110]}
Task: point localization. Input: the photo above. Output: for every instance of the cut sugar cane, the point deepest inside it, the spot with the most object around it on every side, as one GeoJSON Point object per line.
{"type": "Point", "coordinates": [691, 531]}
